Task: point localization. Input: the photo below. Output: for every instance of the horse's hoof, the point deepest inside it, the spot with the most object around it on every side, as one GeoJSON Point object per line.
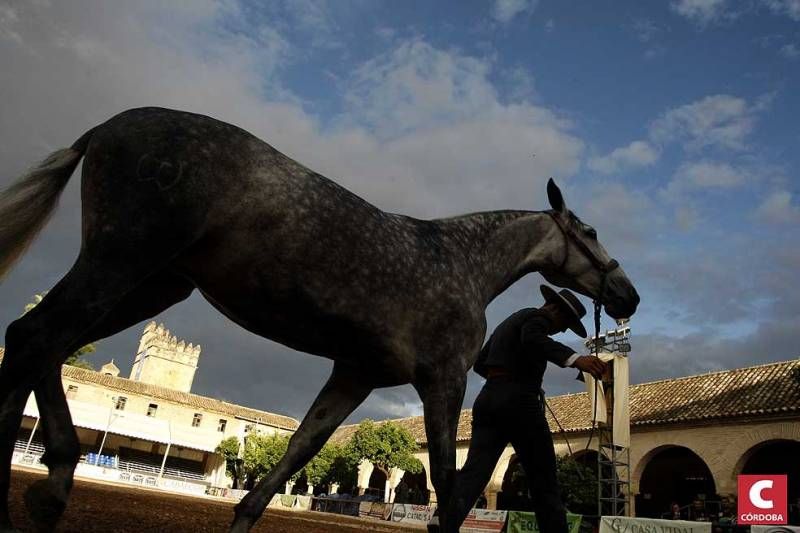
{"type": "Point", "coordinates": [45, 505]}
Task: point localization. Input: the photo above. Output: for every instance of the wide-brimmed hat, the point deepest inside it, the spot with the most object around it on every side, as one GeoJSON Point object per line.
{"type": "Point", "coordinates": [570, 304]}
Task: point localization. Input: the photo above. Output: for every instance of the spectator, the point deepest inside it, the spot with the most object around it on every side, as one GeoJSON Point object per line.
{"type": "Point", "coordinates": [794, 512]}
{"type": "Point", "coordinates": [481, 503]}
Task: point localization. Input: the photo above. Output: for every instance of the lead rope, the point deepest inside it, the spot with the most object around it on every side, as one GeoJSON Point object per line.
{"type": "Point", "coordinates": [598, 307]}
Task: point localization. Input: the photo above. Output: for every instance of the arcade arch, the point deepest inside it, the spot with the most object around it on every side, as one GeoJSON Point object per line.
{"type": "Point", "coordinates": [514, 493]}
{"type": "Point", "coordinates": [413, 488]}
{"type": "Point", "coordinates": [672, 474]}
{"type": "Point", "coordinates": [779, 456]}
{"type": "Point", "coordinates": [377, 484]}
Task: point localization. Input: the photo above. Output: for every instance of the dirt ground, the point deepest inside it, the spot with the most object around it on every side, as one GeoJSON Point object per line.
{"type": "Point", "coordinates": [96, 507]}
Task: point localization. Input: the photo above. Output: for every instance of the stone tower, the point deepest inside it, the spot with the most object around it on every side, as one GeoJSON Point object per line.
{"type": "Point", "coordinates": [164, 360]}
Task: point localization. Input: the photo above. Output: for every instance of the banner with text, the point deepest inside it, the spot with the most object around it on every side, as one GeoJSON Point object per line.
{"type": "Point", "coordinates": [483, 521]}
{"type": "Point", "coordinates": [520, 522]}
{"type": "Point", "coordinates": [285, 501]}
{"type": "Point", "coordinates": [405, 513]}
{"type": "Point", "coordinates": [624, 524]}
{"type": "Point", "coordinates": [302, 502]}
{"type": "Point", "coordinates": [378, 510]}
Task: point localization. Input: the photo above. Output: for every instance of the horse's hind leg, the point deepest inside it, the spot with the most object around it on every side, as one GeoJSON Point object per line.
{"type": "Point", "coordinates": [343, 392]}
{"type": "Point", "coordinates": [45, 498]}
{"type": "Point", "coordinates": [38, 342]}
{"type": "Point", "coordinates": [62, 450]}
{"type": "Point", "coordinates": [36, 345]}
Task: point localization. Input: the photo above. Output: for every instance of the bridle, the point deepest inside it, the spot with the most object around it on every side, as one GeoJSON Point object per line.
{"type": "Point", "coordinates": [605, 267]}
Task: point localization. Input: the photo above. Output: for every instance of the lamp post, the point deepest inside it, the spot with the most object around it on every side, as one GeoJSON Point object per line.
{"type": "Point", "coordinates": [30, 439]}
{"type": "Point", "coordinates": [105, 435]}
{"type": "Point", "coordinates": [169, 443]}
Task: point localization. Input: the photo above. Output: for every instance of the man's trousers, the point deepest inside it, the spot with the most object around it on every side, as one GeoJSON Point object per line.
{"type": "Point", "coordinates": [506, 412]}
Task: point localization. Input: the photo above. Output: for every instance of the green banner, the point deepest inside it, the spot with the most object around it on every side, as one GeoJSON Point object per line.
{"type": "Point", "coordinates": [519, 522]}
{"type": "Point", "coordinates": [287, 500]}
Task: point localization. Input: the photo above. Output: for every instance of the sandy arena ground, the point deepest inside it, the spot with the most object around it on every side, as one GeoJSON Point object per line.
{"type": "Point", "coordinates": [96, 507]}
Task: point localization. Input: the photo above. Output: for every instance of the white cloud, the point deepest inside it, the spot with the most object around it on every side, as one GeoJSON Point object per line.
{"type": "Point", "coordinates": [8, 19]}
{"type": "Point", "coordinates": [594, 201]}
{"type": "Point", "coordinates": [706, 12]}
{"type": "Point", "coordinates": [699, 11]}
{"type": "Point", "coordinates": [686, 217]}
{"type": "Point", "coordinates": [636, 155]}
{"type": "Point", "coordinates": [386, 33]}
{"type": "Point", "coordinates": [778, 208]}
{"type": "Point", "coordinates": [789, 51]}
{"type": "Point", "coordinates": [418, 86]}
{"type": "Point", "coordinates": [721, 121]}
{"type": "Point", "coordinates": [709, 174]}
{"type": "Point", "coordinates": [425, 129]}
{"type": "Point", "coordinates": [646, 30]}
{"type": "Point", "coordinates": [425, 134]}
{"type": "Point", "coordinates": [504, 11]}
{"type": "Point", "coordinates": [654, 52]}
{"type": "Point", "coordinates": [790, 8]}
{"type": "Point", "coordinates": [521, 83]}
{"type": "Point", "coordinates": [703, 175]}
{"type": "Point", "coordinates": [312, 14]}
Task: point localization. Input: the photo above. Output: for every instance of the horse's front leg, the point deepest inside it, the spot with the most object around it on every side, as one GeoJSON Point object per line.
{"type": "Point", "coordinates": [343, 392]}
{"type": "Point", "coordinates": [442, 394]}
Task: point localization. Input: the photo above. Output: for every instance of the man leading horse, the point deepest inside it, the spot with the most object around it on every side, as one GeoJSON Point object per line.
{"type": "Point", "coordinates": [510, 408]}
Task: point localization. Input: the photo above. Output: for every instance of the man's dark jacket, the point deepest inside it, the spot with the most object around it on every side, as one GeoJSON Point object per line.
{"type": "Point", "coordinates": [522, 347]}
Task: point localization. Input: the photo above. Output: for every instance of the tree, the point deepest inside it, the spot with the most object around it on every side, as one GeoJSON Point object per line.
{"type": "Point", "coordinates": [578, 484]}
{"type": "Point", "coordinates": [333, 464]}
{"type": "Point", "coordinates": [229, 449]}
{"type": "Point", "coordinates": [386, 445]}
{"type": "Point", "coordinates": [318, 468]}
{"type": "Point", "coordinates": [76, 359]}
{"type": "Point", "coordinates": [262, 453]}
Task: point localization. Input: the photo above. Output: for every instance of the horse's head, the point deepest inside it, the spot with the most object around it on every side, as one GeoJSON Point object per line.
{"type": "Point", "coordinates": [578, 261]}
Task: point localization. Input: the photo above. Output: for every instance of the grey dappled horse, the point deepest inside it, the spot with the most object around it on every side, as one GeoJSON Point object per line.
{"type": "Point", "coordinates": [174, 201]}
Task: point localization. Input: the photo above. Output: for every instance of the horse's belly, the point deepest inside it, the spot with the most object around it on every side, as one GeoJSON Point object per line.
{"type": "Point", "coordinates": [307, 328]}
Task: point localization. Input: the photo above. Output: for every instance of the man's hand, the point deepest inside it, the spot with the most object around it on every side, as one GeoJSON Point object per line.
{"type": "Point", "coordinates": [591, 364]}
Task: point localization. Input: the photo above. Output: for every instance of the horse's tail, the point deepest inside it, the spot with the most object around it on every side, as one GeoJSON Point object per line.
{"type": "Point", "coordinates": [26, 206]}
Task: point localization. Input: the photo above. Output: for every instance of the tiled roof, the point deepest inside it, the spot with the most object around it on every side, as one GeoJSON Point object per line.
{"type": "Point", "coordinates": [765, 390]}
{"type": "Point", "coordinates": [183, 398]}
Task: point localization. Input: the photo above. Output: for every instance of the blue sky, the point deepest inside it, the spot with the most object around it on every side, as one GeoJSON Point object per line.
{"type": "Point", "coordinates": [671, 127]}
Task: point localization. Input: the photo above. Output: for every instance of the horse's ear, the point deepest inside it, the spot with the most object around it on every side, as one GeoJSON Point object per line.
{"type": "Point", "coordinates": [554, 195]}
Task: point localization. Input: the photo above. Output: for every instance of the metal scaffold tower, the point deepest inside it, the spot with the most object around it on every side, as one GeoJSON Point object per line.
{"type": "Point", "coordinates": [613, 457]}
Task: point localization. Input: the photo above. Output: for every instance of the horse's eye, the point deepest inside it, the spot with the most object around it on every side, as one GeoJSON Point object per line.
{"type": "Point", "coordinates": [591, 233]}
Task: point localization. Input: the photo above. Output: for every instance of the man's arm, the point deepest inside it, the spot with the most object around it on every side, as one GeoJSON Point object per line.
{"type": "Point", "coordinates": [534, 338]}
{"type": "Point", "coordinates": [590, 364]}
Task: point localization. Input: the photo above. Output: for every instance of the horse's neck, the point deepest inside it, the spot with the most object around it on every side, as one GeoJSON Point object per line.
{"type": "Point", "coordinates": [500, 246]}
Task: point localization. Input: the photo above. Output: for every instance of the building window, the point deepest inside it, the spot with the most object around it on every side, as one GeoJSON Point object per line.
{"type": "Point", "coordinates": [196, 420]}
{"type": "Point", "coordinates": [151, 409]}
{"type": "Point", "coordinates": [72, 391]}
{"type": "Point", "coordinates": [121, 401]}
{"type": "Point", "coordinates": [221, 425]}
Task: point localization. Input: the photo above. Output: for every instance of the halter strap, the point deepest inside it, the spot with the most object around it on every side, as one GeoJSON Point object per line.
{"type": "Point", "coordinates": [569, 236]}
